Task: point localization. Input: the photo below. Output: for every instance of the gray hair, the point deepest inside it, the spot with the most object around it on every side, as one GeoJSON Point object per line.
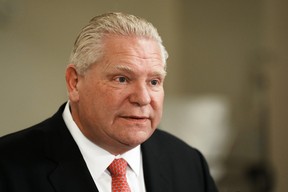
{"type": "Point", "coordinates": [88, 47]}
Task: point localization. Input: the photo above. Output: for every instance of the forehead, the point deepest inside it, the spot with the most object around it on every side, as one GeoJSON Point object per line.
{"type": "Point", "coordinates": [144, 48]}
{"type": "Point", "coordinates": [123, 50]}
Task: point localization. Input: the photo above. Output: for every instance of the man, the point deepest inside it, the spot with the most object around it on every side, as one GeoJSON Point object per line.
{"type": "Point", "coordinates": [115, 85]}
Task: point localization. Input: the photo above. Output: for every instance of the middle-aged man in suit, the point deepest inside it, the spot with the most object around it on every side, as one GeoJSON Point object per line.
{"type": "Point", "coordinates": [105, 138]}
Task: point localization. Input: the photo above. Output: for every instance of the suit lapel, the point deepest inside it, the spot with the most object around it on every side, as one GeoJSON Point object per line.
{"type": "Point", "coordinates": [72, 177]}
{"type": "Point", "coordinates": [157, 172]}
{"type": "Point", "coordinates": [69, 172]}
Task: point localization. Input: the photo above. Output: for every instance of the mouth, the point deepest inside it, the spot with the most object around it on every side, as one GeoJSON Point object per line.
{"type": "Point", "coordinates": [136, 118]}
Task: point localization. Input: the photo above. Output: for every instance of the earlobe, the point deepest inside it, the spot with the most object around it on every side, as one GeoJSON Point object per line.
{"type": "Point", "coordinates": [72, 78]}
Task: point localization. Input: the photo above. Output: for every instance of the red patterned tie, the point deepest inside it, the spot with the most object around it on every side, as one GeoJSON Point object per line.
{"type": "Point", "coordinates": [118, 172]}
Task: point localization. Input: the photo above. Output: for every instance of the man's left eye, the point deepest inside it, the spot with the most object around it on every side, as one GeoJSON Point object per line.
{"type": "Point", "coordinates": [122, 79]}
{"type": "Point", "coordinates": [154, 82]}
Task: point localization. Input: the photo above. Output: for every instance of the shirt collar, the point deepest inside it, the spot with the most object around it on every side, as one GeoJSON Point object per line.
{"type": "Point", "coordinates": [96, 158]}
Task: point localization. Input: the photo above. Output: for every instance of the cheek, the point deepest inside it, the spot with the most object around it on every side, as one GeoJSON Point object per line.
{"type": "Point", "coordinates": [159, 100]}
{"type": "Point", "coordinates": [157, 106]}
{"type": "Point", "coordinates": [108, 101]}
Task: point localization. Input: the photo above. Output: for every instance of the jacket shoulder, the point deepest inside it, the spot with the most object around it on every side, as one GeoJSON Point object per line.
{"type": "Point", "coordinates": [30, 139]}
{"type": "Point", "coordinates": [185, 166]}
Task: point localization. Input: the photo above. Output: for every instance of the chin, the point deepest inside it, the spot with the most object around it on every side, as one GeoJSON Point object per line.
{"type": "Point", "coordinates": [138, 138]}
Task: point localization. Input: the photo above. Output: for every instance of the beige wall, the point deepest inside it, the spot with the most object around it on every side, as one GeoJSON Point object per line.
{"type": "Point", "coordinates": [276, 41]}
{"type": "Point", "coordinates": [222, 50]}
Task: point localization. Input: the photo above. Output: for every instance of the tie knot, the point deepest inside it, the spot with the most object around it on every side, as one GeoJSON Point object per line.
{"type": "Point", "coordinates": [118, 167]}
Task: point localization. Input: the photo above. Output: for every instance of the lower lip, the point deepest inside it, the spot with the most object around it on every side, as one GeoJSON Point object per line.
{"type": "Point", "coordinates": [136, 120]}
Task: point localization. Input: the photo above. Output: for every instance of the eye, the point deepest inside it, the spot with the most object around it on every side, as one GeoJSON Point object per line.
{"type": "Point", "coordinates": [121, 79]}
{"type": "Point", "coordinates": [154, 82]}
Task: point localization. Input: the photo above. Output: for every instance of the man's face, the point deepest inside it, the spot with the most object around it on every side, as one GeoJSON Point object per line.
{"type": "Point", "coordinates": [118, 102]}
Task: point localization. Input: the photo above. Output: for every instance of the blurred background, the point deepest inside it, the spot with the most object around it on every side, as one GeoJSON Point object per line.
{"type": "Point", "coordinates": [226, 89]}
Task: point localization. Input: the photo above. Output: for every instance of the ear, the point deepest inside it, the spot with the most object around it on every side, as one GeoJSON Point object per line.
{"type": "Point", "coordinates": [72, 78]}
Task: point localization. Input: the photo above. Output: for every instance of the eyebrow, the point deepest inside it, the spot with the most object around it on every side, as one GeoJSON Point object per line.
{"type": "Point", "coordinates": [128, 69]}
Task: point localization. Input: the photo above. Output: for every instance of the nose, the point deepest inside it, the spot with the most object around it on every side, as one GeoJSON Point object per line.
{"type": "Point", "coordinates": [140, 95]}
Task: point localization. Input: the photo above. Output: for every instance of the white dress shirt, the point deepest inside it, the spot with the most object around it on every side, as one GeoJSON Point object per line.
{"type": "Point", "coordinates": [98, 159]}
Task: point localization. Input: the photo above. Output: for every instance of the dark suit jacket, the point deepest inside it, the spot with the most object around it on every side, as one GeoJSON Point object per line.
{"type": "Point", "coordinates": [45, 158]}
